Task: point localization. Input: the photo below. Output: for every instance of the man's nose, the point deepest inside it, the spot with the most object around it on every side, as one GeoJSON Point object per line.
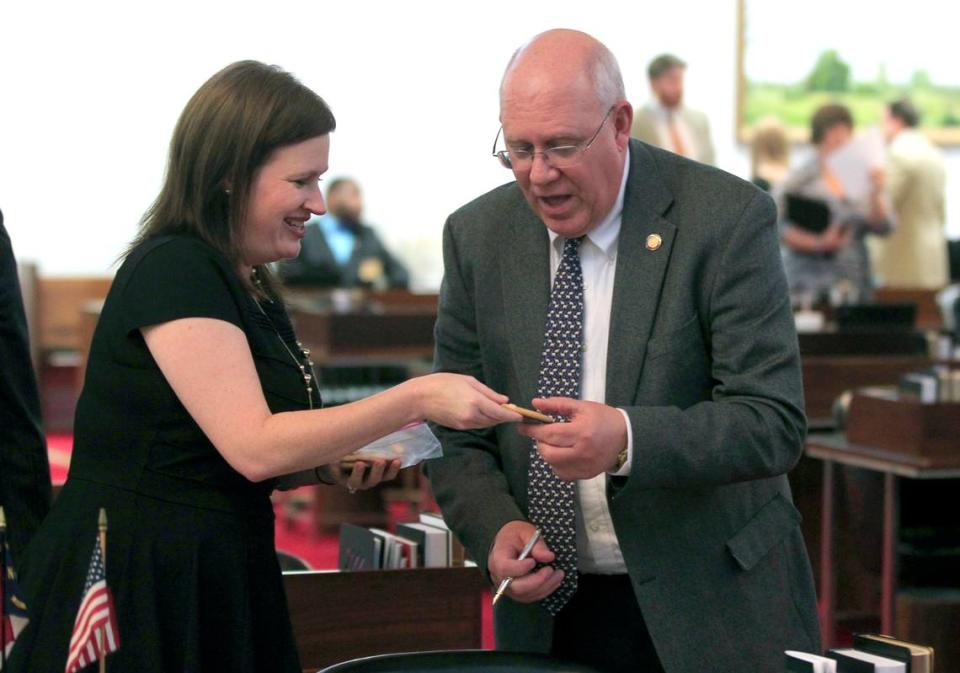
{"type": "Point", "coordinates": [540, 169]}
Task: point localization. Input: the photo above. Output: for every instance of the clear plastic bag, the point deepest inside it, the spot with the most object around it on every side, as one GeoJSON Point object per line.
{"type": "Point", "coordinates": [411, 444]}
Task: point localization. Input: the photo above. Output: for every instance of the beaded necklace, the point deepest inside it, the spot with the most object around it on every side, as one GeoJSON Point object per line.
{"type": "Point", "coordinates": [306, 364]}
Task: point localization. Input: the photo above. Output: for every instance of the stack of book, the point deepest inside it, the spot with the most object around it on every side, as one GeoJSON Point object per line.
{"type": "Point", "coordinates": [929, 386]}
{"type": "Point", "coordinates": [871, 653]}
{"type": "Point", "coordinates": [427, 543]}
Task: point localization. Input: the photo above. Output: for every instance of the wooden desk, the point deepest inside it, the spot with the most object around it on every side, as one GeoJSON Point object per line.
{"type": "Point", "coordinates": [928, 312]}
{"type": "Point", "coordinates": [343, 615]}
{"type": "Point", "coordinates": [833, 362]}
{"type": "Point", "coordinates": [826, 377]}
{"type": "Point", "coordinates": [862, 343]}
{"type": "Point", "coordinates": [396, 334]}
{"type": "Point", "coordinates": [832, 449]}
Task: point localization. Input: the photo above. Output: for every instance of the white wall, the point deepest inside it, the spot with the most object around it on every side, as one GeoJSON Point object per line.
{"type": "Point", "coordinates": [90, 92]}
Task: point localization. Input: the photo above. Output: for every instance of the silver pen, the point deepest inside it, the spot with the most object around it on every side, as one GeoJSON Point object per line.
{"type": "Point", "coordinates": [524, 553]}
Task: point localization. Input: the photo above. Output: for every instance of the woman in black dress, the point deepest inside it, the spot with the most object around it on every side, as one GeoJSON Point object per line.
{"type": "Point", "coordinates": [198, 397]}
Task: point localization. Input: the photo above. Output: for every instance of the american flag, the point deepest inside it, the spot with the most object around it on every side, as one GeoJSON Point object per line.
{"type": "Point", "coordinates": [95, 633]}
{"type": "Point", "coordinates": [11, 606]}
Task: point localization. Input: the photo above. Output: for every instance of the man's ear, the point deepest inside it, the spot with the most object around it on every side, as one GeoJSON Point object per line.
{"type": "Point", "coordinates": [622, 121]}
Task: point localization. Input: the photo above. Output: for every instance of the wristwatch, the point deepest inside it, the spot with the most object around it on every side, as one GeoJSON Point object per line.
{"type": "Point", "coordinates": [621, 460]}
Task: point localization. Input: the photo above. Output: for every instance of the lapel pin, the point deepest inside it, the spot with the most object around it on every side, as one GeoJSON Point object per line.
{"type": "Point", "coordinates": [654, 241]}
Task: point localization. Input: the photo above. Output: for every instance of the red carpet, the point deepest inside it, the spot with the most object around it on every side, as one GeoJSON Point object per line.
{"type": "Point", "coordinates": [292, 535]}
{"type": "Point", "coordinates": [59, 446]}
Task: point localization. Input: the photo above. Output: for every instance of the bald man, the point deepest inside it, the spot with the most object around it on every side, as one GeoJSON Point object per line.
{"type": "Point", "coordinates": [670, 539]}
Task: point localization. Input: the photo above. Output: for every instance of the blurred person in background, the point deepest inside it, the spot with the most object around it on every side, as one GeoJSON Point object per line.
{"type": "Point", "coordinates": [769, 154]}
{"type": "Point", "coordinates": [665, 121]}
{"type": "Point", "coordinates": [339, 250]}
{"type": "Point", "coordinates": [915, 255]}
{"type": "Point", "coordinates": [836, 259]}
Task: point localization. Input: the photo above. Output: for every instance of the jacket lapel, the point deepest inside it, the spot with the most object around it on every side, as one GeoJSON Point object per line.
{"type": "Point", "coordinates": [639, 274]}
{"type": "Point", "coordinates": [525, 269]}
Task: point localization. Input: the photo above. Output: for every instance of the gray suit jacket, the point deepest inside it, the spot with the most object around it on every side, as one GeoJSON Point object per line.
{"type": "Point", "coordinates": [703, 356]}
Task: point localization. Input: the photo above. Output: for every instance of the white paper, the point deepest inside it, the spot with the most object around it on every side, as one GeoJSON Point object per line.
{"type": "Point", "coordinates": [853, 162]}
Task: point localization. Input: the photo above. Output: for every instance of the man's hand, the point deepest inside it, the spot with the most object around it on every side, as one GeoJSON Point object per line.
{"type": "Point", "coordinates": [527, 586]}
{"type": "Point", "coordinates": [587, 445]}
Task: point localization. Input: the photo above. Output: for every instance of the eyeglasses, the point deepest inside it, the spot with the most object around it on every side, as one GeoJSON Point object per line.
{"type": "Point", "coordinates": [560, 156]}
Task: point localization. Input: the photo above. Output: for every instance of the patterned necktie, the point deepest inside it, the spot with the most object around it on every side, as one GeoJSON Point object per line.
{"type": "Point", "coordinates": [551, 500]}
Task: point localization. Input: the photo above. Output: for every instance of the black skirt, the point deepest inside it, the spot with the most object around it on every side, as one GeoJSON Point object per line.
{"type": "Point", "coordinates": [196, 587]}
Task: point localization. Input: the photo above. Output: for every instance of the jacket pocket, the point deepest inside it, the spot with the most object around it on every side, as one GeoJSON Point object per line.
{"type": "Point", "coordinates": [681, 339]}
{"type": "Point", "coordinates": [763, 532]}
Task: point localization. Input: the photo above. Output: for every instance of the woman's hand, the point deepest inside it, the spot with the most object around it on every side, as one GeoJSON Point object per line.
{"type": "Point", "coordinates": [363, 474]}
{"type": "Point", "coordinates": [835, 237]}
{"type": "Point", "coordinates": [461, 402]}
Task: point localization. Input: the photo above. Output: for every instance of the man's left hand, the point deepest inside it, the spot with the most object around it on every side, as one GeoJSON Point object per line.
{"type": "Point", "coordinates": [585, 446]}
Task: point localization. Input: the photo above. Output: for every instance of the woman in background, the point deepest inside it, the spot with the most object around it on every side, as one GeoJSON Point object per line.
{"type": "Point", "coordinates": [198, 397]}
{"type": "Point", "coordinates": [769, 154]}
{"type": "Point", "coordinates": [836, 258]}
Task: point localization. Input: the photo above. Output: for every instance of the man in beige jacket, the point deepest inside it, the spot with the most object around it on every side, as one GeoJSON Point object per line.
{"type": "Point", "coordinates": [665, 121]}
{"type": "Point", "coordinates": [915, 254]}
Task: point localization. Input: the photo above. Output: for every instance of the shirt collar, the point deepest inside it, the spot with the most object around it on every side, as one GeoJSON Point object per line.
{"type": "Point", "coordinates": [604, 236]}
{"type": "Point", "coordinates": [332, 224]}
{"type": "Point", "coordinates": [663, 113]}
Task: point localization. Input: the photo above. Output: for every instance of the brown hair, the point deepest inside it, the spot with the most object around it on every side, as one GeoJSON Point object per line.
{"type": "Point", "coordinates": [769, 144]}
{"type": "Point", "coordinates": [825, 118]}
{"type": "Point", "coordinates": [226, 132]}
{"type": "Point", "coordinates": [905, 111]}
{"type": "Point", "coordinates": [662, 64]}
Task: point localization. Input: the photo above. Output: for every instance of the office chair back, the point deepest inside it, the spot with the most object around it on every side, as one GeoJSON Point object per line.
{"type": "Point", "coordinates": [458, 661]}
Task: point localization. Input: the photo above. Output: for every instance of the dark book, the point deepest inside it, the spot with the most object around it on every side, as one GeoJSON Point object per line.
{"type": "Point", "coordinates": [398, 552]}
{"type": "Point", "coordinates": [918, 658]}
{"type": "Point", "coordinates": [456, 553]}
{"type": "Point", "coordinates": [921, 387]}
{"type": "Point", "coordinates": [850, 660]}
{"type": "Point", "coordinates": [806, 213]}
{"type": "Point", "coordinates": [432, 543]}
{"type": "Point", "coordinates": [360, 549]}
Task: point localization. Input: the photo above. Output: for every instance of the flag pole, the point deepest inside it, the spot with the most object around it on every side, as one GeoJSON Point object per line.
{"type": "Point", "coordinates": [3, 589]}
{"type": "Point", "coordinates": [102, 526]}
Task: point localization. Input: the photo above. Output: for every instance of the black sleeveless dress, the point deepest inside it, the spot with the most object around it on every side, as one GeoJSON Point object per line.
{"type": "Point", "coordinates": [190, 552]}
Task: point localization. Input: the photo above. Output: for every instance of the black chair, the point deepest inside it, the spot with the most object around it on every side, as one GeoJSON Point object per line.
{"type": "Point", "coordinates": [953, 251]}
{"type": "Point", "coordinates": [458, 661]}
{"type": "Point", "coordinates": [290, 561]}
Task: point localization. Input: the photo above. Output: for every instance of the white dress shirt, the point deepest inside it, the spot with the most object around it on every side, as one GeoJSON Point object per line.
{"type": "Point", "coordinates": [597, 546]}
